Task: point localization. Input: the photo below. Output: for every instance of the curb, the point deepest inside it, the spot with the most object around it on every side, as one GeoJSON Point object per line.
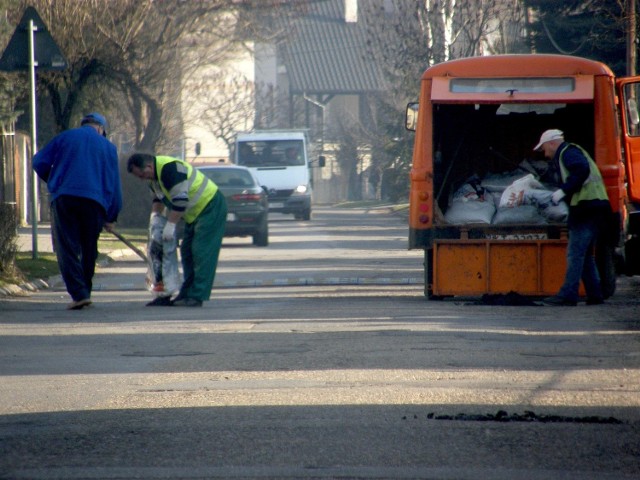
{"type": "Point", "coordinates": [282, 282]}
{"type": "Point", "coordinates": [22, 290]}
{"type": "Point", "coordinates": [33, 286]}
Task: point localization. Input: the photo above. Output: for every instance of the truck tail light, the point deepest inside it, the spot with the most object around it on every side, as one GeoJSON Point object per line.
{"type": "Point", "coordinates": [423, 207]}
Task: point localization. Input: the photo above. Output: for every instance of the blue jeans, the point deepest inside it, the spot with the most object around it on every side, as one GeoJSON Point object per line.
{"type": "Point", "coordinates": [581, 262]}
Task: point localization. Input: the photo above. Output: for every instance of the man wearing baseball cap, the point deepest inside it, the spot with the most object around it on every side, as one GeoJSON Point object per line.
{"type": "Point", "coordinates": [584, 191]}
{"type": "Point", "coordinates": [80, 167]}
{"type": "Point", "coordinates": [97, 120]}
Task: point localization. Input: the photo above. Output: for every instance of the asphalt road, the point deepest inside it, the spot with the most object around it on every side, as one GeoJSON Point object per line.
{"type": "Point", "coordinates": [317, 357]}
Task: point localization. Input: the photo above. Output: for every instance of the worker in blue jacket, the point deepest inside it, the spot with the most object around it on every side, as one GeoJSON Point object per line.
{"type": "Point", "coordinates": [80, 167]}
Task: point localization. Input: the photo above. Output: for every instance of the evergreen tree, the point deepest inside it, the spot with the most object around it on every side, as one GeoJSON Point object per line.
{"type": "Point", "coordinates": [587, 28]}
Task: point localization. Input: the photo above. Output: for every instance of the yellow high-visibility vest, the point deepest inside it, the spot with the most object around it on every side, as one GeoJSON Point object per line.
{"type": "Point", "coordinates": [200, 189]}
{"type": "Point", "coordinates": [593, 187]}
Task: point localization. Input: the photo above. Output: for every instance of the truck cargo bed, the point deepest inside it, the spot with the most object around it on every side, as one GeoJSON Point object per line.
{"type": "Point", "coordinates": [476, 267]}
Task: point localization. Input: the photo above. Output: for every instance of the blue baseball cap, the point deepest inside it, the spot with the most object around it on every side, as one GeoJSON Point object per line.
{"type": "Point", "coordinates": [96, 119]}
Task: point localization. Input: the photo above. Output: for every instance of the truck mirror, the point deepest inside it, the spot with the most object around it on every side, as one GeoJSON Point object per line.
{"type": "Point", "coordinates": [321, 161]}
{"type": "Point", "coordinates": [411, 117]}
{"type": "Point", "coordinates": [632, 108]}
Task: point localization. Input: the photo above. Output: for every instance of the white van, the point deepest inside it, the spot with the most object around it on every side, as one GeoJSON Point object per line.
{"type": "Point", "coordinates": [279, 160]}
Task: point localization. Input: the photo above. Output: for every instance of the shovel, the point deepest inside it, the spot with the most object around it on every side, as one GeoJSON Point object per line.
{"type": "Point", "coordinates": [138, 252]}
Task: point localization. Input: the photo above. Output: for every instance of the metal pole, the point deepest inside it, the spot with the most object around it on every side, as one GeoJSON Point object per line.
{"type": "Point", "coordinates": [34, 148]}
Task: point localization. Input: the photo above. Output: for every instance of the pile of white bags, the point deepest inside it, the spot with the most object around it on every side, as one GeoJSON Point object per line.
{"type": "Point", "coordinates": [516, 198]}
{"type": "Point", "coordinates": [470, 205]}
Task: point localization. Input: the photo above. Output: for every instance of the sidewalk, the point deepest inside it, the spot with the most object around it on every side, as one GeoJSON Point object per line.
{"type": "Point", "coordinates": [124, 270]}
{"type": "Point", "coordinates": [43, 239]}
{"type": "Point", "coordinates": [44, 244]}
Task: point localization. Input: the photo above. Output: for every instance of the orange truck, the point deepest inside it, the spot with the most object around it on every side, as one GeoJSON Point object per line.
{"type": "Point", "coordinates": [475, 125]}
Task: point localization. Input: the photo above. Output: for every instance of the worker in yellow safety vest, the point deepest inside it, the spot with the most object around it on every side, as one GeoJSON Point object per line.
{"type": "Point", "coordinates": [182, 192]}
{"type": "Point", "coordinates": [583, 189]}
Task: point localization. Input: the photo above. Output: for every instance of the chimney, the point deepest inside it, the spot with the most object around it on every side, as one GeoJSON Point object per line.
{"type": "Point", "coordinates": [351, 11]}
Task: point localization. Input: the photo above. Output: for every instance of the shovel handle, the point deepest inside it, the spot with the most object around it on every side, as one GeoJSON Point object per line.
{"type": "Point", "coordinates": [138, 252]}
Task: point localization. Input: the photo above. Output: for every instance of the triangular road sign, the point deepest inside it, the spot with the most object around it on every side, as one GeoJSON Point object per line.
{"type": "Point", "coordinates": [47, 54]}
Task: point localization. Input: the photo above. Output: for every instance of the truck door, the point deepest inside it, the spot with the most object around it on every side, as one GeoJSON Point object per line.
{"type": "Point", "coordinates": [629, 95]}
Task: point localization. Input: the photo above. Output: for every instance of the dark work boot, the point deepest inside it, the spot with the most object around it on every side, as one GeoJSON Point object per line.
{"type": "Point", "coordinates": [160, 302]}
{"type": "Point", "coordinates": [557, 301]}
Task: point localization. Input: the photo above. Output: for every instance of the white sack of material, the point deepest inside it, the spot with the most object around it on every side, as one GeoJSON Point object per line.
{"type": "Point", "coordinates": [524, 214]}
{"type": "Point", "coordinates": [556, 213]}
{"type": "Point", "coordinates": [474, 211]}
{"type": "Point", "coordinates": [469, 191]}
{"type": "Point", "coordinates": [498, 182]}
{"type": "Point", "coordinates": [468, 205]}
{"type": "Point", "coordinates": [546, 207]}
{"type": "Point", "coordinates": [513, 196]}
{"type": "Point", "coordinates": [163, 275]}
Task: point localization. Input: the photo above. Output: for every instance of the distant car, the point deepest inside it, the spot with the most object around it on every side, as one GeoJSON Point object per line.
{"type": "Point", "coordinates": [247, 202]}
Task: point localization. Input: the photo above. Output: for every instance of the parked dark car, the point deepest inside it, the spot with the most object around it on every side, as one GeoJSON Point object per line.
{"type": "Point", "coordinates": [247, 202]}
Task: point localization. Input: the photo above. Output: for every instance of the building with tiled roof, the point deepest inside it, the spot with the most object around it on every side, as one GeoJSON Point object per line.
{"type": "Point", "coordinates": [323, 67]}
{"type": "Point", "coordinates": [323, 77]}
{"type": "Point", "coordinates": [315, 75]}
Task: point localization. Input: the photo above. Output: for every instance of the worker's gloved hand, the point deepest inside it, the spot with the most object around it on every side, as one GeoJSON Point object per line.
{"type": "Point", "coordinates": [169, 232]}
{"type": "Point", "coordinates": [557, 196]}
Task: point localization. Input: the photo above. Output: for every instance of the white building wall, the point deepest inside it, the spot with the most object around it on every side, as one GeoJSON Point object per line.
{"type": "Point", "coordinates": [212, 148]}
{"type": "Point", "coordinates": [265, 66]}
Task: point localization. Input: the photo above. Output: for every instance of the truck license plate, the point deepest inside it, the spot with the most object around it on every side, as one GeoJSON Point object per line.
{"type": "Point", "coordinates": [517, 236]}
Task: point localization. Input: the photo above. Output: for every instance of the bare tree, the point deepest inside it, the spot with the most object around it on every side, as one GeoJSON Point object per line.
{"type": "Point", "coordinates": [224, 101]}
{"type": "Point", "coordinates": [63, 88]}
{"type": "Point", "coordinates": [137, 51]}
{"type": "Point", "coordinates": [406, 37]}
{"type": "Point", "coordinates": [488, 27]}
{"type": "Point", "coordinates": [221, 103]}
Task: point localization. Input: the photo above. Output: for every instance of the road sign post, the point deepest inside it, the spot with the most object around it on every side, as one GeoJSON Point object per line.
{"type": "Point", "coordinates": [26, 51]}
{"type": "Point", "coordinates": [34, 145]}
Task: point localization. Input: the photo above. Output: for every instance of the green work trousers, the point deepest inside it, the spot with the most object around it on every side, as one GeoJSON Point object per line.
{"type": "Point", "coordinates": [200, 249]}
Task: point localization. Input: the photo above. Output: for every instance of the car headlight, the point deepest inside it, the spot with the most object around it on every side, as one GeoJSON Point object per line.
{"type": "Point", "coordinates": [301, 189]}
